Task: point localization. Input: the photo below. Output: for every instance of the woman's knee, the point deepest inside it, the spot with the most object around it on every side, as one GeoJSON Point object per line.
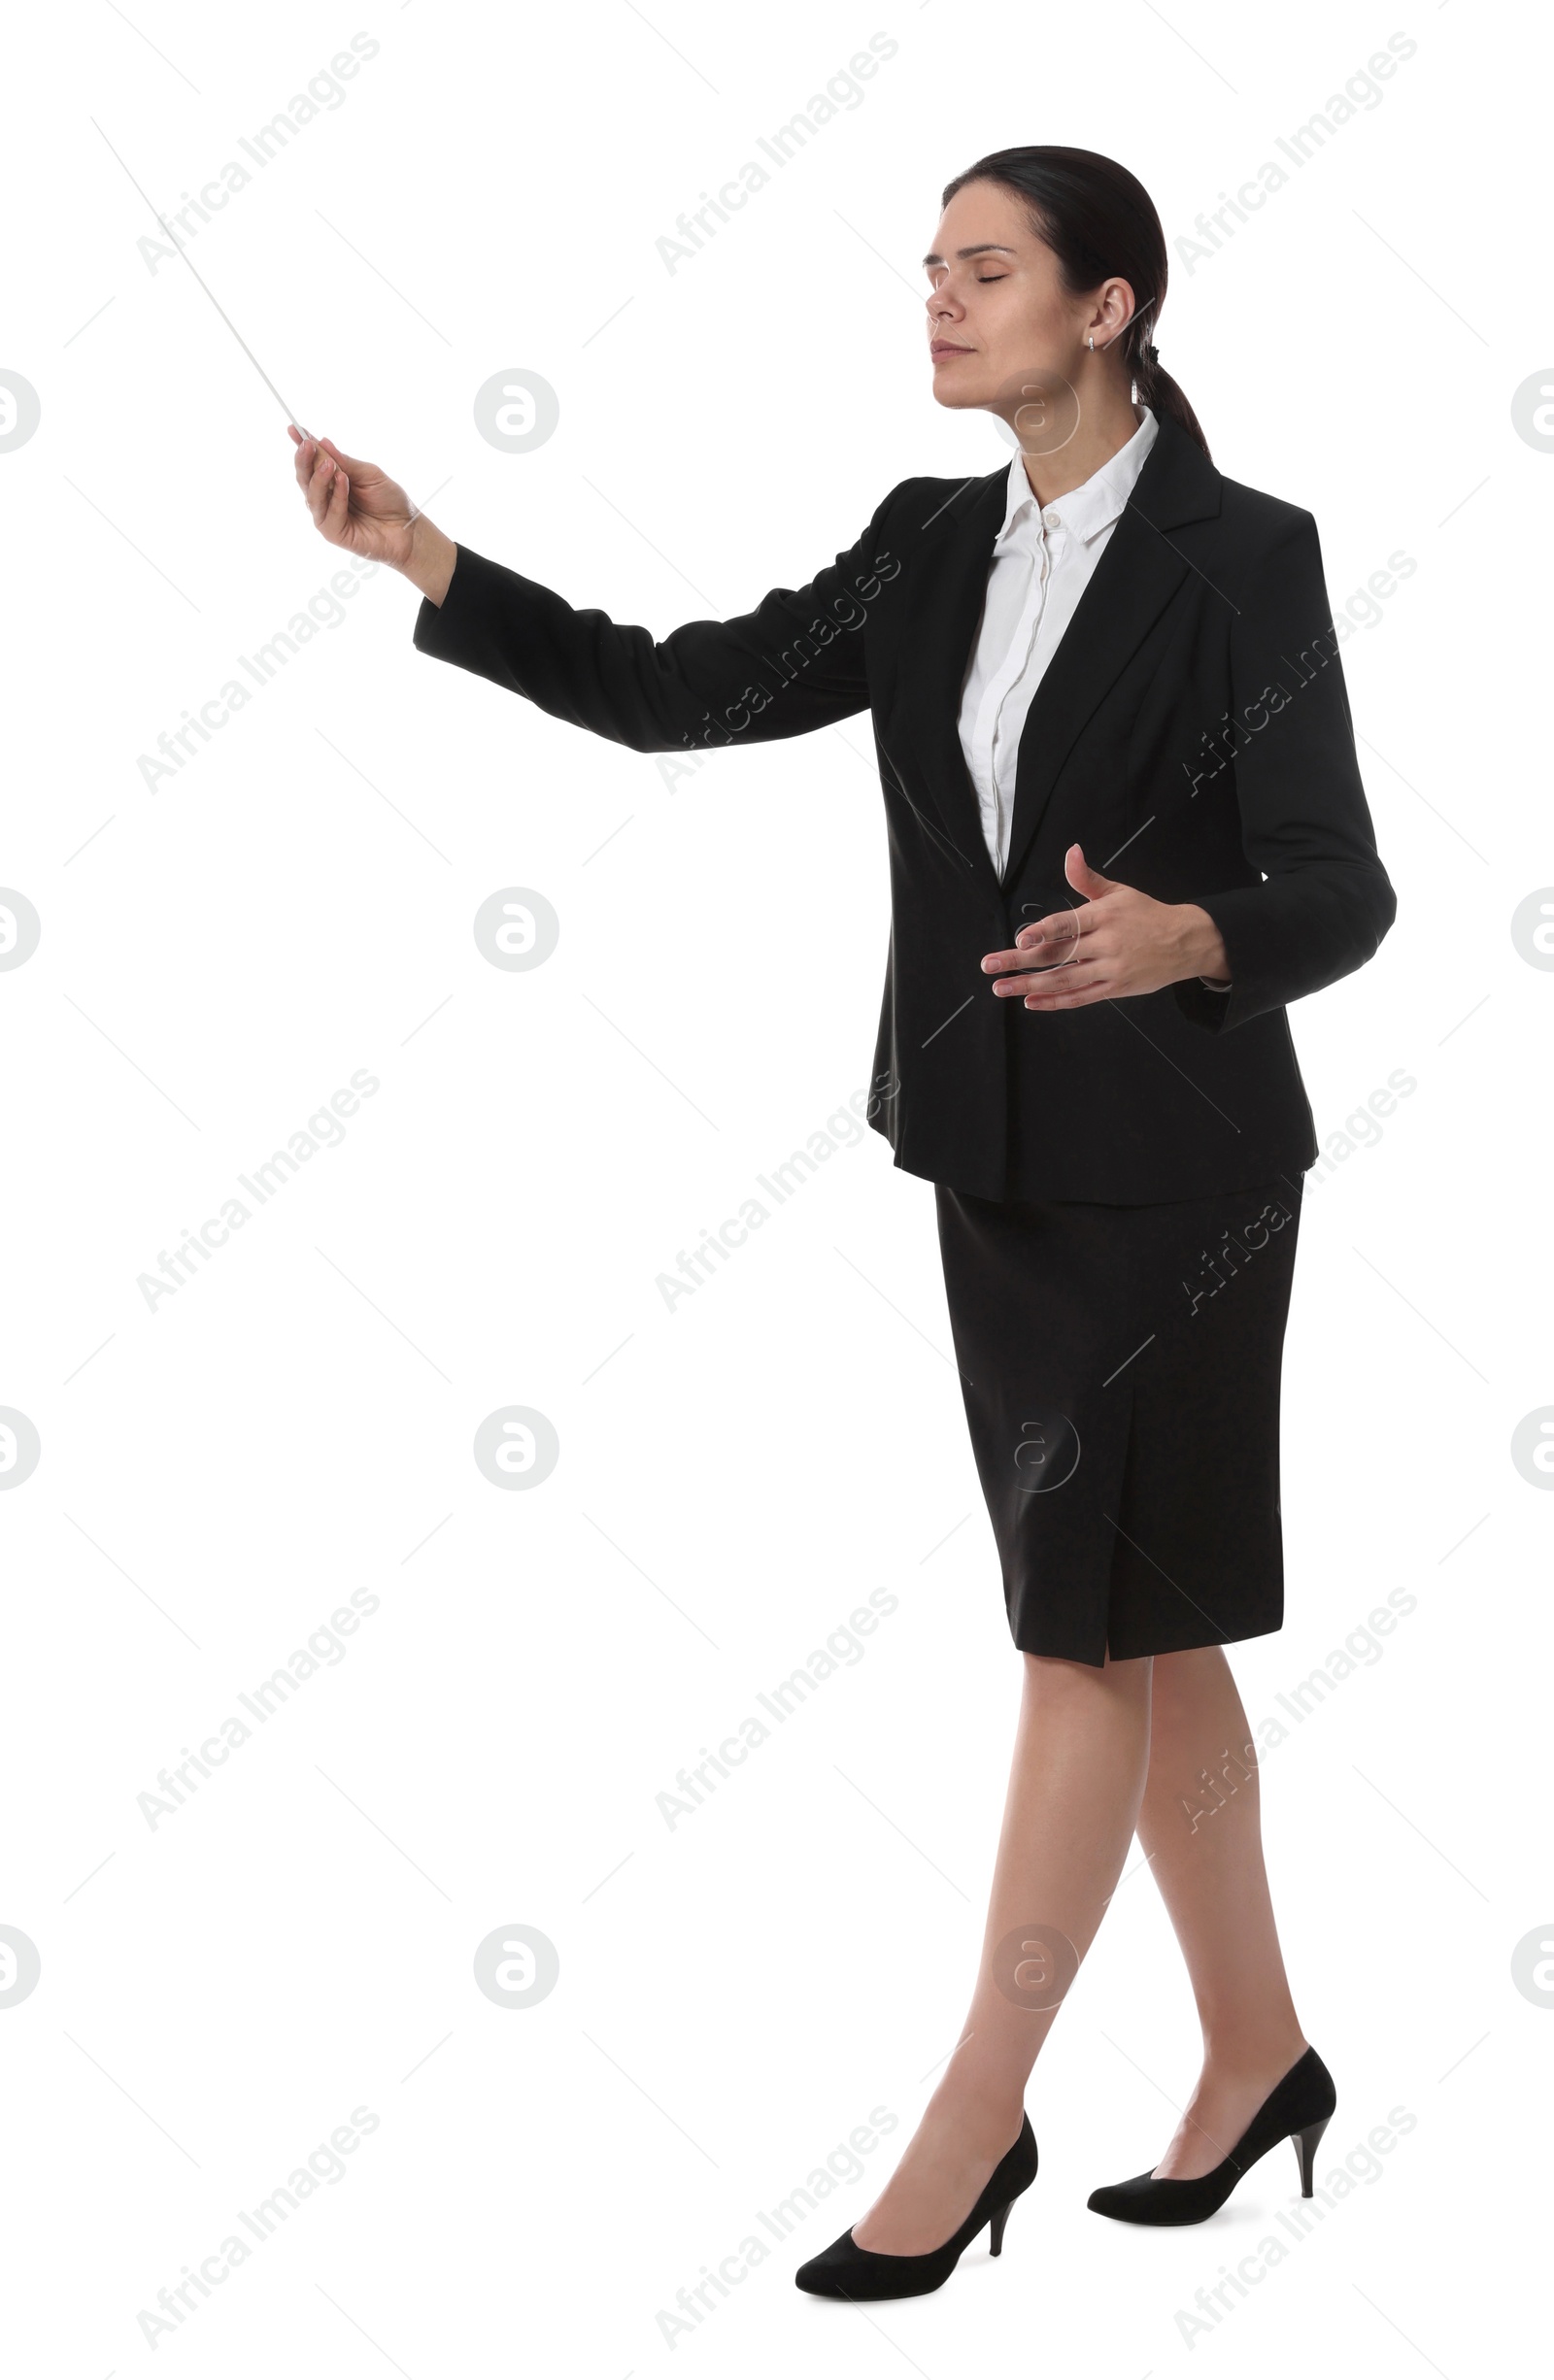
{"type": "Point", "coordinates": [1184, 1678]}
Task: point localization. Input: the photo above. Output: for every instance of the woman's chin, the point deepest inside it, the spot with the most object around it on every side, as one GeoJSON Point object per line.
{"type": "Point", "coordinates": [957, 388]}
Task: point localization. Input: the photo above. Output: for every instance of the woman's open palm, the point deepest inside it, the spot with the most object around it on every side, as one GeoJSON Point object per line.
{"type": "Point", "coordinates": [354, 504]}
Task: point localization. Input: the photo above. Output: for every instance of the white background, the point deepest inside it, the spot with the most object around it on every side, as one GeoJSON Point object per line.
{"type": "Point", "coordinates": [736, 1993]}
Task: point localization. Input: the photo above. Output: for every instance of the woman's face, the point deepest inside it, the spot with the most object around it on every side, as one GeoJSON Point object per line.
{"type": "Point", "coordinates": [1003, 332]}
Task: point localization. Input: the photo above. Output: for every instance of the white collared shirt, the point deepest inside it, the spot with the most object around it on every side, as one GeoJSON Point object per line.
{"type": "Point", "coordinates": [1043, 561]}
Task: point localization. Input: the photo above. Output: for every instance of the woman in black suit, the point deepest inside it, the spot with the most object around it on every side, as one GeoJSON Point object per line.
{"type": "Point", "coordinates": [1126, 828]}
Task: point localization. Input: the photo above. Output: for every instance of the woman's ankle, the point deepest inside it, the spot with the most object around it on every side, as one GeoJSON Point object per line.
{"type": "Point", "coordinates": [980, 2107]}
{"type": "Point", "coordinates": [1241, 2056]}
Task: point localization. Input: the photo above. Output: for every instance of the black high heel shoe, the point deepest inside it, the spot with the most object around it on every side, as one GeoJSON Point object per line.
{"type": "Point", "coordinates": [844, 2269]}
{"type": "Point", "coordinates": [1296, 2110]}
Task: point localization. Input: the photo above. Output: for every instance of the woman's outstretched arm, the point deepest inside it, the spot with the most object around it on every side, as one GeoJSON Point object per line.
{"type": "Point", "coordinates": [794, 663]}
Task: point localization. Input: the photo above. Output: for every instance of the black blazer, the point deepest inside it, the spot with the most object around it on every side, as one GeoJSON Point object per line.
{"type": "Point", "coordinates": [1192, 731]}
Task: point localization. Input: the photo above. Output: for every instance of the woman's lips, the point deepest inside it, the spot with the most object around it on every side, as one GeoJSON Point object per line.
{"type": "Point", "coordinates": [940, 348]}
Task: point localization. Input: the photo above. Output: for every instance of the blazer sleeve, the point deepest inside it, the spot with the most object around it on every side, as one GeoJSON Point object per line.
{"type": "Point", "coordinates": [1325, 901]}
{"type": "Point", "coordinates": [794, 663]}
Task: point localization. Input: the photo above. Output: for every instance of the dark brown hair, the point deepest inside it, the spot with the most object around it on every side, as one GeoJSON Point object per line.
{"type": "Point", "coordinates": [1097, 220]}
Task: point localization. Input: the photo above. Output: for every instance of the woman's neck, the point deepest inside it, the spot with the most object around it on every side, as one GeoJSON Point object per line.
{"type": "Point", "coordinates": [1099, 436]}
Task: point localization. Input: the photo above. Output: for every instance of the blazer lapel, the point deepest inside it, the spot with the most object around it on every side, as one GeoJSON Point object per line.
{"type": "Point", "coordinates": [1135, 577]}
{"type": "Point", "coordinates": [955, 589]}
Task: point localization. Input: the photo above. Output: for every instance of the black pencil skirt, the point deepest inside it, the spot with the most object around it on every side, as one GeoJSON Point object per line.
{"type": "Point", "coordinates": [1120, 1366]}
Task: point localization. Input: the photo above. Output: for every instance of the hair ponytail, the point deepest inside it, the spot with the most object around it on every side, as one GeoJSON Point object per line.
{"type": "Point", "coordinates": [1161, 393]}
{"type": "Point", "coordinates": [1099, 220]}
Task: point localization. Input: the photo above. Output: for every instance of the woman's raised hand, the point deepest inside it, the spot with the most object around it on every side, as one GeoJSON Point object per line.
{"type": "Point", "coordinates": [354, 504]}
{"type": "Point", "coordinates": [357, 507]}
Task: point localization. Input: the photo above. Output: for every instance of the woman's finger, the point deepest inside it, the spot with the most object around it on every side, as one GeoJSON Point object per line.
{"type": "Point", "coordinates": [320, 488]}
{"type": "Point", "coordinates": [1062, 926]}
{"type": "Point", "coordinates": [1075, 986]}
{"type": "Point", "coordinates": [1052, 982]}
{"type": "Point", "coordinates": [1085, 999]}
{"type": "Point", "coordinates": [1031, 972]}
{"type": "Point", "coordinates": [339, 513]}
{"type": "Point", "coordinates": [353, 463]}
{"type": "Point", "coordinates": [1024, 955]}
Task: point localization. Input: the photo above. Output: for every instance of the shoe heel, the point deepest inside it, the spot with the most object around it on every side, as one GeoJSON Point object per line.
{"type": "Point", "coordinates": [995, 2230]}
{"type": "Point", "coordinates": [1306, 2148]}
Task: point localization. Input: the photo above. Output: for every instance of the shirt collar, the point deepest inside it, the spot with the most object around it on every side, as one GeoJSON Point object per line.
{"type": "Point", "coordinates": [1096, 505]}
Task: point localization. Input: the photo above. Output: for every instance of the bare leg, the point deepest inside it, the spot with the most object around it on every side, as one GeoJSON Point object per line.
{"type": "Point", "coordinates": [1205, 1844]}
{"type": "Point", "coordinates": [1075, 1787]}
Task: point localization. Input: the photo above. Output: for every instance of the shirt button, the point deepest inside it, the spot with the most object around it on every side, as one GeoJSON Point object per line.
{"type": "Point", "coordinates": [1054, 520]}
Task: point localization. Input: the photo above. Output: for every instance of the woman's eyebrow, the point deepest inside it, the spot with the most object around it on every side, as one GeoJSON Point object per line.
{"type": "Point", "coordinates": [981, 248]}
